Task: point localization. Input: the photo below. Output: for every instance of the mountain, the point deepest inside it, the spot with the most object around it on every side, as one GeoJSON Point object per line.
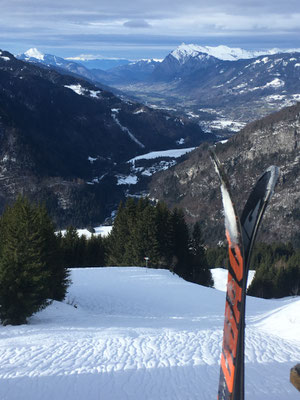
{"type": "Point", "coordinates": [112, 71]}
{"type": "Point", "coordinates": [65, 140]}
{"type": "Point", "coordinates": [99, 63]}
{"type": "Point", "coordinates": [35, 56]}
{"type": "Point", "coordinates": [193, 184]}
{"type": "Point", "coordinates": [225, 53]}
{"type": "Point", "coordinates": [220, 87]}
{"type": "Point", "coordinates": [133, 72]}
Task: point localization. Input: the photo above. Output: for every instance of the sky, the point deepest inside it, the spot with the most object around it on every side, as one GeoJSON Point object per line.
{"type": "Point", "coordinates": [137, 29]}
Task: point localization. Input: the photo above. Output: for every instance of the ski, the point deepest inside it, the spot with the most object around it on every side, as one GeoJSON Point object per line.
{"type": "Point", "coordinates": [250, 221]}
{"type": "Point", "coordinates": [240, 237]}
{"type": "Point", "coordinates": [231, 333]}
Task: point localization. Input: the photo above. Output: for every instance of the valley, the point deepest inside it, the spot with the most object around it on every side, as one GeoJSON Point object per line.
{"type": "Point", "coordinates": [194, 95]}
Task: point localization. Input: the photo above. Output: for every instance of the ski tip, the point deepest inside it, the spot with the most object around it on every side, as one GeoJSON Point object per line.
{"type": "Point", "coordinates": [215, 160]}
{"type": "Point", "coordinates": [273, 180]}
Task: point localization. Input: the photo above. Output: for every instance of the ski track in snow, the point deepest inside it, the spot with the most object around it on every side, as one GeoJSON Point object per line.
{"type": "Point", "coordinates": [142, 334]}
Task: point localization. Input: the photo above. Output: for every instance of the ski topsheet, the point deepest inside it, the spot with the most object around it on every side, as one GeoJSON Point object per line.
{"type": "Point", "coordinates": [250, 220]}
{"type": "Point", "coordinates": [231, 334]}
{"type": "Point", "coordinates": [240, 237]}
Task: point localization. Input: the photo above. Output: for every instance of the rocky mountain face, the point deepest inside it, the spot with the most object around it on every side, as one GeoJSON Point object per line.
{"type": "Point", "coordinates": [193, 184]}
{"type": "Point", "coordinates": [64, 140]}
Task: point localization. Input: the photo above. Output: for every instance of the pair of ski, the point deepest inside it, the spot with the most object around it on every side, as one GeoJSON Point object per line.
{"type": "Point", "coordinates": [240, 234]}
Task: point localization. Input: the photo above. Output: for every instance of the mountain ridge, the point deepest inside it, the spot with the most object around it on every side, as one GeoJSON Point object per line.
{"type": "Point", "coordinates": [65, 140]}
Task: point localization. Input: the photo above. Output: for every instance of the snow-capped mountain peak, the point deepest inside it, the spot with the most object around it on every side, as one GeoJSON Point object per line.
{"type": "Point", "coordinates": [185, 51]}
{"type": "Point", "coordinates": [34, 53]}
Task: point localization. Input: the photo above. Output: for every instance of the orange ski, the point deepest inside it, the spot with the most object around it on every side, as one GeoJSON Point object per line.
{"type": "Point", "coordinates": [240, 243]}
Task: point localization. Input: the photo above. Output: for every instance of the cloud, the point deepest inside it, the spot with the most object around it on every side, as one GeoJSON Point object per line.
{"type": "Point", "coordinates": [88, 25]}
{"type": "Point", "coordinates": [138, 23]}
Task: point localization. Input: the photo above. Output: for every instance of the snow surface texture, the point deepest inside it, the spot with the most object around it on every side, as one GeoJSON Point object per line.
{"type": "Point", "coordinates": [141, 334]}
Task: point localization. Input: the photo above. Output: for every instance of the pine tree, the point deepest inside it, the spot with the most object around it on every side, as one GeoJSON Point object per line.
{"type": "Point", "coordinates": [118, 237]}
{"type": "Point", "coordinates": [95, 251]}
{"type": "Point", "coordinates": [24, 276]}
{"type": "Point", "coordinates": [165, 235]}
{"type": "Point", "coordinates": [145, 237]}
{"type": "Point", "coordinates": [199, 271]}
{"type": "Point", "coordinates": [180, 243]}
{"type": "Point", "coordinates": [69, 246]}
{"type": "Point", "coordinates": [52, 256]}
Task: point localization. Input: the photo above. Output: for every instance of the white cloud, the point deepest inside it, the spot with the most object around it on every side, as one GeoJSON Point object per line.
{"type": "Point", "coordinates": [91, 24]}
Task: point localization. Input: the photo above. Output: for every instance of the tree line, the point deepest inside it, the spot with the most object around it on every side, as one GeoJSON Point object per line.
{"type": "Point", "coordinates": [145, 230]}
{"type": "Point", "coordinates": [277, 267]}
{"type": "Point", "coordinates": [35, 261]}
{"type": "Point", "coordinates": [143, 234]}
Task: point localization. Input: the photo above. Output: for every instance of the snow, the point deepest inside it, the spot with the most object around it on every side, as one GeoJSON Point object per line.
{"type": "Point", "coordinates": [274, 83]}
{"type": "Point", "coordinates": [220, 278]}
{"type": "Point", "coordinates": [139, 111]}
{"type": "Point", "coordinates": [102, 230]}
{"type": "Point", "coordinates": [34, 53]}
{"type": "Point", "coordinates": [78, 89]}
{"type": "Point", "coordinates": [185, 51]}
{"type": "Point", "coordinates": [136, 333]}
{"type": "Point", "coordinates": [222, 123]}
{"type": "Point", "coordinates": [114, 114]}
{"type": "Point", "coordinates": [127, 180]}
{"type": "Point", "coordinates": [174, 153]}
{"type": "Point", "coordinates": [180, 141]}
{"type": "Point", "coordinates": [92, 159]}
{"type": "Point", "coordinates": [5, 58]}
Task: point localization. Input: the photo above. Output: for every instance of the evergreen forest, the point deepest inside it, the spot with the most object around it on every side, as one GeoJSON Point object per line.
{"type": "Point", "coordinates": [35, 260]}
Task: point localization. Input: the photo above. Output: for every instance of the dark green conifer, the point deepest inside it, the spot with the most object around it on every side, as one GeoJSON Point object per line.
{"type": "Point", "coordinates": [52, 256]}
{"type": "Point", "coordinates": [199, 271]}
{"type": "Point", "coordinates": [24, 276]}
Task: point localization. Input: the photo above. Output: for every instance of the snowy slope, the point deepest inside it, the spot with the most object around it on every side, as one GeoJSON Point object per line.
{"type": "Point", "coordinates": [174, 153]}
{"type": "Point", "coordinates": [142, 334]}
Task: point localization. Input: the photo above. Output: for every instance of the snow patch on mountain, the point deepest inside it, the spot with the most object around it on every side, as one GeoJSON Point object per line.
{"type": "Point", "coordinates": [78, 89]}
{"type": "Point", "coordinates": [174, 153]}
{"type": "Point", "coordinates": [34, 53]}
{"type": "Point", "coordinates": [114, 112]}
{"type": "Point", "coordinates": [127, 180]}
{"type": "Point", "coordinates": [185, 51]}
